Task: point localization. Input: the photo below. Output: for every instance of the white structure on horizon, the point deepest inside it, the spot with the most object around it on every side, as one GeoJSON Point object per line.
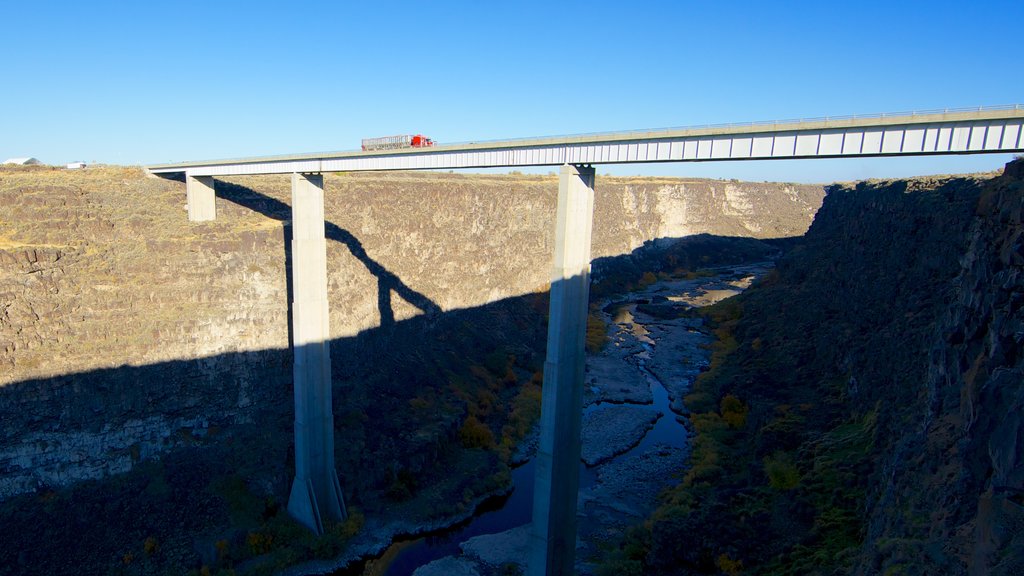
{"type": "Point", "coordinates": [75, 165]}
{"type": "Point", "coordinates": [22, 161]}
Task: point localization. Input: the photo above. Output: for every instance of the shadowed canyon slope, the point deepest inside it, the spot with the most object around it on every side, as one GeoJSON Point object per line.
{"type": "Point", "coordinates": [863, 410]}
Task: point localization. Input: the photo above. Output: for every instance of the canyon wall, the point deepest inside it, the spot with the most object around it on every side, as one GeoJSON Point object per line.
{"type": "Point", "coordinates": [126, 331]}
{"type": "Point", "coordinates": [863, 413]}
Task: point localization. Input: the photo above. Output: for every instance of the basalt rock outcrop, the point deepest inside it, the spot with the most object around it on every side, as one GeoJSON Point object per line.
{"type": "Point", "coordinates": [954, 502]}
{"type": "Point", "coordinates": [863, 414]}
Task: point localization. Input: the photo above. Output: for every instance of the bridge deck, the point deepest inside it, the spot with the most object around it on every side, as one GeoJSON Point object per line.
{"type": "Point", "coordinates": [980, 130]}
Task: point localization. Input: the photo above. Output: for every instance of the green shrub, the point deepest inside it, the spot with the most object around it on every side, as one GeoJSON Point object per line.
{"type": "Point", "coordinates": [734, 411]}
{"type": "Point", "coordinates": [597, 333]}
{"type": "Point", "coordinates": [475, 434]}
{"type": "Point", "coordinates": [782, 471]}
{"type": "Point", "coordinates": [729, 566]}
{"type": "Point", "coordinates": [259, 542]}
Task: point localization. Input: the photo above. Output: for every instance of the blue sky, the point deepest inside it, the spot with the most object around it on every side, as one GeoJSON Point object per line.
{"type": "Point", "coordinates": [147, 82]}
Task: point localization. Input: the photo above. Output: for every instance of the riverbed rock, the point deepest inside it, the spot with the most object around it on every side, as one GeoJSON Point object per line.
{"type": "Point", "coordinates": [611, 377]}
{"type": "Point", "coordinates": [612, 430]}
{"type": "Point", "coordinates": [678, 356]}
{"type": "Point", "coordinates": [628, 485]}
{"type": "Point", "coordinates": [627, 489]}
{"type": "Point", "coordinates": [508, 547]}
{"type": "Point", "coordinates": [448, 566]}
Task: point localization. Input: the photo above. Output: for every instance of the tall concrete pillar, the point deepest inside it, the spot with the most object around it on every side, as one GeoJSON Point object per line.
{"type": "Point", "coordinates": [553, 538]}
{"type": "Point", "coordinates": [316, 493]}
{"type": "Point", "coordinates": [202, 202]}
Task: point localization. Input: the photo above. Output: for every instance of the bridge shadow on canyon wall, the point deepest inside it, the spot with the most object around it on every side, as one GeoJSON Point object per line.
{"type": "Point", "coordinates": [201, 449]}
{"type": "Point", "coordinates": [387, 282]}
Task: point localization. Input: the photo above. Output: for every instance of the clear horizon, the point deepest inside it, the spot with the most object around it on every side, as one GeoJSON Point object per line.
{"type": "Point", "coordinates": [162, 82]}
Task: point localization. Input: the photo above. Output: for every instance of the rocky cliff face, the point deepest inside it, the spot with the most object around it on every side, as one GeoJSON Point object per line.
{"type": "Point", "coordinates": [863, 415]}
{"type": "Point", "coordinates": [954, 501]}
{"type": "Point", "coordinates": [126, 331]}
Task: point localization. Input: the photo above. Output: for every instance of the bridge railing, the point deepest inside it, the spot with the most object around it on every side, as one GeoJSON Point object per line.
{"type": "Point", "coordinates": [756, 123]}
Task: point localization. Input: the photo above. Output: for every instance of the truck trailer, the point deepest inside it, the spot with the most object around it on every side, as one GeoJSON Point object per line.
{"type": "Point", "coordinates": [397, 142]}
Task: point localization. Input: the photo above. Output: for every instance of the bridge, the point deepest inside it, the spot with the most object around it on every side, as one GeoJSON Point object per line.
{"type": "Point", "coordinates": [316, 493]}
{"type": "Point", "coordinates": [994, 129]}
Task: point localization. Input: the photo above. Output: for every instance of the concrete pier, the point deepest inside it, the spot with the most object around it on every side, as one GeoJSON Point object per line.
{"type": "Point", "coordinates": [553, 537]}
{"type": "Point", "coordinates": [316, 494]}
{"type": "Point", "coordinates": [202, 201]}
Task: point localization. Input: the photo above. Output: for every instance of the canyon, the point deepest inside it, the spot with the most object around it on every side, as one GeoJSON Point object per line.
{"type": "Point", "coordinates": [144, 353]}
{"type": "Point", "coordinates": [860, 411]}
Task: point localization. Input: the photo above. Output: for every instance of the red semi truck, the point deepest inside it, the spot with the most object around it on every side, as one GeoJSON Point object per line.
{"type": "Point", "coordinates": [396, 142]}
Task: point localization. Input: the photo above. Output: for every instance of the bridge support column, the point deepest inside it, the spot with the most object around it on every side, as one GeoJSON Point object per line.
{"type": "Point", "coordinates": [553, 537]}
{"type": "Point", "coordinates": [316, 494]}
{"type": "Point", "coordinates": [202, 202]}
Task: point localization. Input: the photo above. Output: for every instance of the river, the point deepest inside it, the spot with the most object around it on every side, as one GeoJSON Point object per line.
{"type": "Point", "coordinates": [626, 373]}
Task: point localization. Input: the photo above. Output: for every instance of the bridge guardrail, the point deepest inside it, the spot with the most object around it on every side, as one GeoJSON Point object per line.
{"type": "Point", "coordinates": [755, 123]}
